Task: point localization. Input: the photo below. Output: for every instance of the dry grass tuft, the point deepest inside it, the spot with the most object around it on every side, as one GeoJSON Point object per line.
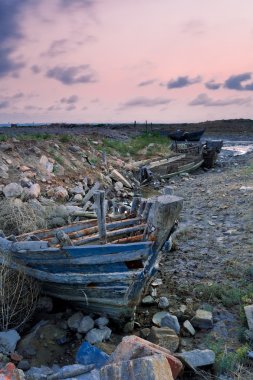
{"type": "Point", "coordinates": [17, 217]}
{"type": "Point", "coordinates": [18, 296]}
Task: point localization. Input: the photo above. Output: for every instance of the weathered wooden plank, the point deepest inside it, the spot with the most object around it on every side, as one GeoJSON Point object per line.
{"type": "Point", "coordinates": [128, 239]}
{"type": "Point", "coordinates": [165, 161]}
{"type": "Point", "coordinates": [123, 231]}
{"type": "Point", "coordinates": [90, 193]}
{"type": "Point", "coordinates": [101, 259]}
{"type": "Point", "coordinates": [99, 198]}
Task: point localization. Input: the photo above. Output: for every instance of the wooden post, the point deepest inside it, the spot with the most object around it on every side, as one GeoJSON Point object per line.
{"type": "Point", "coordinates": [162, 217]}
{"type": "Point", "coordinates": [135, 204]}
{"type": "Point", "coordinates": [99, 197]}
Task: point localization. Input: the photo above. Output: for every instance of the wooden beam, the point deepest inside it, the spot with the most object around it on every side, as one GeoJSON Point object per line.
{"type": "Point", "coordinates": [99, 197]}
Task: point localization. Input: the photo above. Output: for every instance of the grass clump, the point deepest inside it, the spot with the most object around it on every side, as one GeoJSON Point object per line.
{"type": "Point", "coordinates": [153, 143]}
{"type": "Point", "coordinates": [3, 138]}
{"type": "Point", "coordinates": [17, 217]}
{"type": "Point", "coordinates": [35, 137]}
{"type": "Point", "coordinates": [65, 138]}
{"type": "Point", "coordinates": [18, 296]}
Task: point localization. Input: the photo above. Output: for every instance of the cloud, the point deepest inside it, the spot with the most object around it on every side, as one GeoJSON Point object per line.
{"type": "Point", "coordinates": [234, 82]}
{"type": "Point", "coordinates": [72, 74]}
{"type": "Point", "coordinates": [10, 35]}
{"type": "Point", "coordinates": [35, 69]}
{"type": "Point", "coordinates": [70, 108]}
{"type": "Point", "coordinates": [72, 99]}
{"type": "Point", "coordinates": [4, 104]}
{"type": "Point", "coordinates": [79, 3]}
{"type": "Point", "coordinates": [212, 85]}
{"type": "Point", "coordinates": [194, 27]}
{"type": "Point", "coordinates": [145, 102]}
{"type": "Point", "coordinates": [56, 48]}
{"type": "Point", "coordinates": [147, 82]}
{"type": "Point", "coordinates": [206, 101]}
{"type": "Point", "coordinates": [182, 81]}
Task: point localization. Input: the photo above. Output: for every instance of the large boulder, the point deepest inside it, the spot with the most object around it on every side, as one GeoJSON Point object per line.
{"type": "Point", "coordinates": [154, 367]}
{"type": "Point", "coordinates": [12, 190]}
{"type": "Point", "coordinates": [8, 341]}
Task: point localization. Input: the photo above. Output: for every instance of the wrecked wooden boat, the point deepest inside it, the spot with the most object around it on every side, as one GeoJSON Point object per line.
{"type": "Point", "coordinates": [187, 158]}
{"type": "Point", "coordinates": [101, 265]}
{"type": "Point", "coordinates": [181, 135]}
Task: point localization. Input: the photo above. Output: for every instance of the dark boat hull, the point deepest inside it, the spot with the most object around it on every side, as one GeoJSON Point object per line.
{"type": "Point", "coordinates": [185, 136]}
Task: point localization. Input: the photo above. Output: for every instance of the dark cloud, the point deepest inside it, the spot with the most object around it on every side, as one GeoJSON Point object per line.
{"type": "Point", "coordinates": [147, 82]}
{"type": "Point", "coordinates": [206, 101]}
{"type": "Point", "coordinates": [10, 34]}
{"type": "Point", "coordinates": [32, 108]}
{"type": "Point", "coordinates": [212, 85]}
{"type": "Point", "coordinates": [145, 102]}
{"type": "Point", "coordinates": [72, 74]}
{"type": "Point", "coordinates": [18, 95]}
{"type": "Point", "coordinates": [56, 48]}
{"type": "Point", "coordinates": [54, 108]}
{"type": "Point", "coordinates": [82, 3]}
{"type": "Point", "coordinates": [4, 104]}
{"type": "Point", "coordinates": [70, 108]}
{"type": "Point", "coordinates": [35, 69]}
{"type": "Point", "coordinates": [71, 100]}
{"type": "Point", "coordinates": [235, 82]}
{"type": "Point", "coordinates": [183, 81]}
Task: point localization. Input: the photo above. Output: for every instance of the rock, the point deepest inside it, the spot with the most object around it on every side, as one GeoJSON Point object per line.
{"type": "Point", "coordinates": [98, 335]}
{"type": "Point", "coordinates": [8, 341]}
{"type": "Point", "coordinates": [88, 354]}
{"type": "Point", "coordinates": [119, 178]}
{"type": "Point", "coordinates": [168, 190]}
{"type": "Point", "coordinates": [148, 300]}
{"type": "Point", "coordinates": [38, 373]}
{"type": "Point", "coordinates": [6, 147]}
{"type": "Point", "coordinates": [101, 322]}
{"type": "Point", "coordinates": [171, 321]}
{"type": "Point", "coordinates": [25, 182]}
{"type": "Point", "coordinates": [163, 303]}
{"type": "Point", "coordinates": [133, 347]}
{"type": "Point", "coordinates": [128, 327]}
{"type": "Point", "coordinates": [164, 337]}
{"type": "Point", "coordinates": [32, 192]}
{"type": "Point", "coordinates": [154, 367]}
{"type": "Point", "coordinates": [202, 320]}
{"type": "Point", "coordinates": [45, 304]}
{"type": "Point", "coordinates": [10, 372]}
{"type": "Point", "coordinates": [24, 365]}
{"type": "Point", "coordinates": [197, 358]}
{"type": "Point", "coordinates": [72, 371]}
{"type": "Point", "coordinates": [157, 317]}
{"type": "Point", "coordinates": [24, 168]}
{"type": "Point", "coordinates": [15, 357]}
{"type": "Point", "coordinates": [85, 325]}
{"type": "Point", "coordinates": [77, 190]}
{"type": "Point", "coordinates": [4, 171]}
{"type": "Point", "coordinates": [74, 148]}
{"type": "Point", "coordinates": [78, 198]}
{"type": "Point", "coordinates": [74, 321]}
{"type": "Point", "coordinates": [145, 332]}
{"type": "Point", "coordinates": [118, 186]}
{"type": "Point", "coordinates": [249, 315]}
{"type": "Point", "coordinates": [189, 328]}
{"type": "Point", "coordinates": [60, 194]}
{"type": "Point", "coordinates": [46, 165]}
{"type": "Point", "coordinates": [12, 190]}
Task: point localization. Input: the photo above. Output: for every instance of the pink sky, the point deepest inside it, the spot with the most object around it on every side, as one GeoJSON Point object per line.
{"type": "Point", "coordinates": [120, 61]}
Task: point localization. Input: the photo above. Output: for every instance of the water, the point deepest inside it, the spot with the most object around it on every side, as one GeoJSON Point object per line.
{"type": "Point", "coordinates": [237, 148]}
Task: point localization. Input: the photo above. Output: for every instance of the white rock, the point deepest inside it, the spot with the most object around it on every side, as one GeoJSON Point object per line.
{"type": "Point", "coordinates": [85, 325]}
{"type": "Point", "coordinates": [163, 303]}
{"type": "Point", "coordinates": [74, 321]}
{"type": "Point", "coordinates": [46, 164]}
{"type": "Point", "coordinates": [12, 190]}
{"type": "Point", "coordinates": [171, 321]}
{"type": "Point", "coordinates": [98, 335]}
{"type": "Point", "coordinates": [101, 322]}
{"type": "Point", "coordinates": [78, 198]}
{"type": "Point", "coordinates": [8, 341]}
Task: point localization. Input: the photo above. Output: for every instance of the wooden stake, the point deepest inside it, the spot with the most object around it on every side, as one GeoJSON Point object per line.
{"type": "Point", "coordinates": [99, 197]}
